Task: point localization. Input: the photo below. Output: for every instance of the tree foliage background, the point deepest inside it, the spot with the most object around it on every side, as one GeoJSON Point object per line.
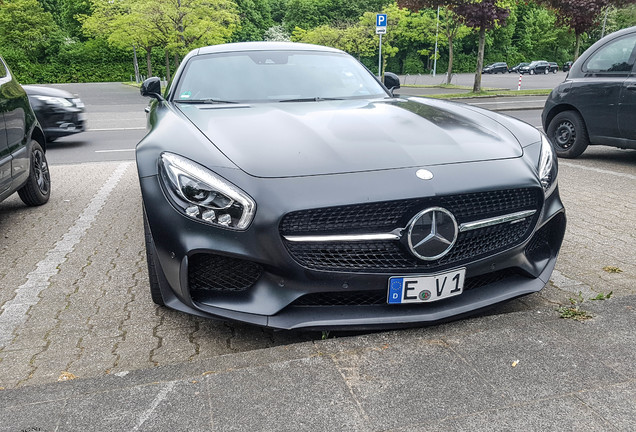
{"type": "Point", "coordinates": [47, 41]}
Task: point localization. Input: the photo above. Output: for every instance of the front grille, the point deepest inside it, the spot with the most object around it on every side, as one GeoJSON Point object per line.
{"type": "Point", "coordinates": [385, 216]}
{"type": "Point", "coordinates": [379, 297]}
{"type": "Point", "coordinates": [210, 272]}
{"type": "Point", "coordinates": [383, 256]}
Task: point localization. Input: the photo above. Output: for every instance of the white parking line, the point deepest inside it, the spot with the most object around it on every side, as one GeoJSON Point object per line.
{"type": "Point", "coordinates": [114, 151]}
{"type": "Point", "coordinates": [598, 170]}
{"type": "Point", "coordinates": [115, 129]}
{"type": "Point", "coordinates": [14, 312]}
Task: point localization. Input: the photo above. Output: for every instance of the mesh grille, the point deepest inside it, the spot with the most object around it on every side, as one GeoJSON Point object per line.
{"type": "Point", "coordinates": [540, 243]}
{"type": "Point", "coordinates": [383, 256]}
{"type": "Point", "coordinates": [209, 272]}
{"type": "Point", "coordinates": [383, 216]}
{"type": "Point", "coordinates": [378, 297]}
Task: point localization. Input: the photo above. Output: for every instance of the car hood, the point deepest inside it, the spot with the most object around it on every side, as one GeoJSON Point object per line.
{"type": "Point", "coordinates": [33, 90]}
{"type": "Point", "coordinates": [332, 137]}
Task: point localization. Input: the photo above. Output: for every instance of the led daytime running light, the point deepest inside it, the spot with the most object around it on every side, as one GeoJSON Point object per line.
{"type": "Point", "coordinates": [179, 168]}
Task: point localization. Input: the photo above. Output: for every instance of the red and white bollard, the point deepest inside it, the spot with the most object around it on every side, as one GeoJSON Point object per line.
{"type": "Point", "coordinates": [519, 86]}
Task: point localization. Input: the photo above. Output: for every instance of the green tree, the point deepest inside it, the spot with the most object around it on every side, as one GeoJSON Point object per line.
{"type": "Point", "coordinates": [581, 15]}
{"type": "Point", "coordinates": [175, 25]}
{"type": "Point", "coordinates": [255, 19]}
{"type": "Point", "coordinates": [25, 26]}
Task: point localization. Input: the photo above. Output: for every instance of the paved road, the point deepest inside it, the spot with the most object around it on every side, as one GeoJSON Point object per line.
{"type": "Point", "coordinates": [501, 81]}
{"type": "Point", "coordinates": [75, 304]}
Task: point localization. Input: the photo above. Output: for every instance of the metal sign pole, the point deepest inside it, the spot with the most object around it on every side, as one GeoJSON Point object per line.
{"type": "Point", "coordinates": [380, 59]}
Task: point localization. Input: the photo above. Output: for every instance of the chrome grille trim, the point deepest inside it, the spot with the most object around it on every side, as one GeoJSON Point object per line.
{"type": "Point", "coordinates": [394, 235]}
{"type": "Point", "coordinates": [397, 234]}
{"type": "Point", "coordinates": [512, 217]}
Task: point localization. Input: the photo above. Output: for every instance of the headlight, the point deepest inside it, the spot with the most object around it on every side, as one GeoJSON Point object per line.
{"type": "Point", "coordinates": [547, 166]}
{"type": "Point", "coordinates": [203, 195]}
{"type": "Point", "coordinates": [55, 101]}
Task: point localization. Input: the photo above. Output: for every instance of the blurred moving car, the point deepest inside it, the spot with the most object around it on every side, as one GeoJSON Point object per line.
{"type": "Point", "coordinates": [517, 67]}
{"type": "Point", "coordinates": [596, 104]}
{"type": "Point", "coordinates": [567, 66]}
{"type": "Point", "coordinates": [284, 185]}
{"type": "Point", "coordinates": [23, 166]}
{"type": "Point", "coordinates": [495, 68]}
{"type": "Point", "coordinates": [536, 67]}
{"type": "Point", "coordinates": [59, 112]}
{"type": "Point", "coordinates": [554, 67]}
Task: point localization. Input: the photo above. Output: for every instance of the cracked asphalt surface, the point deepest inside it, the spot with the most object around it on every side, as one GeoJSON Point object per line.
{"type": "Point", "coordinates": [90, 316]}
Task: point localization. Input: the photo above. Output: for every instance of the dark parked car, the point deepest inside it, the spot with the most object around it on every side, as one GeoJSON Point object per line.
{"type": "Point", "coordinates": [554, 68]}
{"type": "Point", "coordinates": [596, 104]}
{"type": "Point", "coordinates": [536, 67]}
{"type": "Point", "coordinates": [59, 112]}
{"type": "Point", "coordinates": [23, 166]}
{"type": "Point", "coordinates": [283, 185]}
{"type": "Point", "coordinates": [496, 68]}
{"type": "Point", "coordinates": [517, 67]}
{"type": "Point", "coordinates": [567, 66]}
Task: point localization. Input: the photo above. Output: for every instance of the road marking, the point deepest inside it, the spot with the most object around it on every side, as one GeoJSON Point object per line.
{"type": "Point", "coordinates": [598, 170]}
{"type": "Point", "coordinates": [14, 312]}
{"type": "Point", "coordinates": [115, 129]}
{"type": "Point", "coordinates": [114, 151]}
{"type": "Point", "coordinates": [163, 393]}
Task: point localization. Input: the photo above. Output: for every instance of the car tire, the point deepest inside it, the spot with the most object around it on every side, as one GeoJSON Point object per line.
{"type": "Point", "coordinates": [37, 189]}
{"type": "Point", "coordinates": [531, 71]}
{"type": "Point", "coordinates": [554, 71]}
{"type": "Point", "coordinates": [568, 134]}
{"type": "Point", "coordinates": [545, 71]}
{"type": "Point", "coordinates": [153, 274]}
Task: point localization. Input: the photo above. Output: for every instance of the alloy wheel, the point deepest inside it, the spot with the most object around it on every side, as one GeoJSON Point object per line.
{"type": "Point", "coordinates": [41, 171]}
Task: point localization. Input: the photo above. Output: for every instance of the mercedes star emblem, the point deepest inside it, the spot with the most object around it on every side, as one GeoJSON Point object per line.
{"type": "Point", "coordinates": [432, 233]}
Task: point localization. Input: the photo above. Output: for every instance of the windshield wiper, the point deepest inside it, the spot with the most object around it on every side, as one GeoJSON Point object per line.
{"type": "Point", "coordinates": [313, 99]}
{"type": "Point", "coordinates": [205, 101]}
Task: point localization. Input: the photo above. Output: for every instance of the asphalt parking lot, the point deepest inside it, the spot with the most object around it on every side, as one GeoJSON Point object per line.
{"type": "Point", "coordinates": [76, 315]}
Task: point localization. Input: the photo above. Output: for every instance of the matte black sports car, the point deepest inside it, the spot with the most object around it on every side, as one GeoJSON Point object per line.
{"type": "Point", "coordinates": [59, 112]}
{"type": "Point", "coordinates": [284, 185]}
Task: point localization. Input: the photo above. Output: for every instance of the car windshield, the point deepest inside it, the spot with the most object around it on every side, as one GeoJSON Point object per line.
{"type": "Point", "coordinates": [275, 76]}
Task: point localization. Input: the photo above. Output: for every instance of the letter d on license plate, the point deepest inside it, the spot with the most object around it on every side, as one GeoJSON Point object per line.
{"type": "Point", "coordinates": [425, 289]}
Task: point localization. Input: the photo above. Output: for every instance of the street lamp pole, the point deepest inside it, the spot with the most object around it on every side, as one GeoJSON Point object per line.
{"type": "Point", "coordinates": [436, 36]}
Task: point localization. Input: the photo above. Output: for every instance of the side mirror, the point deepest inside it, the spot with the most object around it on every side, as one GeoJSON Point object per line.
{"type": "Point", "coordinates": [391, 81]}
{"type": "Point", "coordinates": [151, 88]}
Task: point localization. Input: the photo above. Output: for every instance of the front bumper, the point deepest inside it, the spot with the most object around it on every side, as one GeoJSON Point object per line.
{"type": "Point", "coordinates": [278, 284]}
{"type": "Point", "coordinates": [60, 122]}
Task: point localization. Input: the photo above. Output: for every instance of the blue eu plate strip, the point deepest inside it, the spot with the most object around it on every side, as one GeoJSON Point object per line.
{"type": "Point", "coordinates": [395, 290]}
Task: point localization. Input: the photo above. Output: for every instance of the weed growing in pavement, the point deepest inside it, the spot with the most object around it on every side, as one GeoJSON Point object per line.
{"type": "Point", "coordinates": [574, 311]}
{"type": "Point", "coordinates": [602, 296]}
{"type": "Point", "coordinates": [612, 269]}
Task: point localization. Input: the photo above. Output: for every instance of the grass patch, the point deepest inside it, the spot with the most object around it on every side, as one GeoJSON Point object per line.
{"type": "Point", "coordinates": [492, 93]}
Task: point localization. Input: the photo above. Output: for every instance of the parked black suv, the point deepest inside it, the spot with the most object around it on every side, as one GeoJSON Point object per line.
{"type": "Point", "coordinates": [536, 67]}
{"type": "Point", "coordinates": [596, 104]}
{"type": "Point", "coordinates": [495, 68]}
{"type": "Point", "coordinates": [23, 166]}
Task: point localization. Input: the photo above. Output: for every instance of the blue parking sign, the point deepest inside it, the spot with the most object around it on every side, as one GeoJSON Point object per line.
{"type": "Point", "coordinates": [380, 20]}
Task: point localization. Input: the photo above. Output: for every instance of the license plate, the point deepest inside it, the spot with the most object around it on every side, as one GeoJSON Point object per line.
{"type": "Point", "coordinates": [425, 289]}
